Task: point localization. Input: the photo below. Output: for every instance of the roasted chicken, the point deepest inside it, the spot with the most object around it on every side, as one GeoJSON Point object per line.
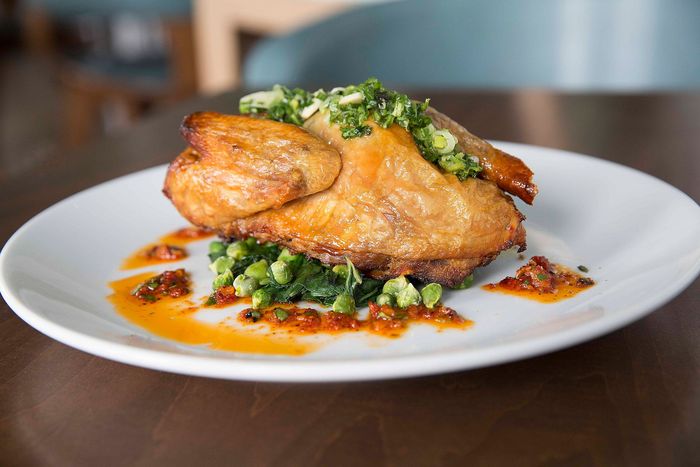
{"type": "Point", "coordinates": [374, 200]}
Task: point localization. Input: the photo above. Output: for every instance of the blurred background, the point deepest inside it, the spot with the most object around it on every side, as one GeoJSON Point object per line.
{"type": "Point", "coordinates": [72, 70]}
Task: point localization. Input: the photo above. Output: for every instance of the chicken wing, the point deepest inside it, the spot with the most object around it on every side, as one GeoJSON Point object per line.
{"type": "Point", "coordinates": [237, 166]}
{"type": "Point", "coordinates": [508, 172]}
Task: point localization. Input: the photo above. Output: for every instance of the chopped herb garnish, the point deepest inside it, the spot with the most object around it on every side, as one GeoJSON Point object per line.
{"type": "Point", "coordinates": [253, 315]}
{"type": "Point", "coordinates": [582, 268]}
{"type": "Point", "coordinates": [541, 277]}
{"type": "Point", "coordinates": [352, 107]}
{"type": "Point", "coordinates": [281, 314]}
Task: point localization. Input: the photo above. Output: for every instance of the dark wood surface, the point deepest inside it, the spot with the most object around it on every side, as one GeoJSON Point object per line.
{"type": "Point", "coordinates": [629, 398]}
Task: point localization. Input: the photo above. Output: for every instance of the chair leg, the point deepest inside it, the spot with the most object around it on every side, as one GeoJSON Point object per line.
{"type": "Point", "coordinates": [37, 30]}
{"type": "Point", "coordinates": [134, 109]}
{"type": "Point", "coordinates": [82, 115]}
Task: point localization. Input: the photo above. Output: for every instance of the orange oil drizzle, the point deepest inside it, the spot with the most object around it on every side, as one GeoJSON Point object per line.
{"type": "Point", "coordinates": [563, 292]}
{"type": "Point", "coordinates": [174, 319]}
{"type": "Point", "coordinates": [185, 235]}
{"type": "Point", "coordinates": [140, 259]}
{"type": "Point", "coordinates": [178, 238]}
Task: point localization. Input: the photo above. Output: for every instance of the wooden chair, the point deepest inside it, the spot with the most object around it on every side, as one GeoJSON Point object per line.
{"type": "Point", "coordinates": [218, 24]}
{"type": "Point", "coordinates": [90, 84]}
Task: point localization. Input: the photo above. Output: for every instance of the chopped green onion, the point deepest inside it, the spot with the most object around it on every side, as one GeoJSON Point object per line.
{"type": "Point", "coordinates": [221, 264]}
{"type": "Point", "coordinates": [261, 100]}
{"type": "Point", "coordinates": [223, 279]}
{"type": "Point", "coordinates": [281, 272]}
{"type": "Point", "coordinates": [217, 247]}
{"type": "Point", "coordinates": [396, 285]}
{"type": "Point", "coordinates": [245, 285]}
{"type": "Point", "coordinates": [385, 299]}
{"type": "Point", "coordinates": [281, 314]}
{"type": "Point", "coordinates": [452, 163]}
{"type": "Point", "coordinates": [408, 296]}
{"type": "Point", "coordinates": [257, 270]}
{"type": "Point", "coordinates": [237, 250]}
{"type": "Point", "coordinates": [439, 142]}
{"type": "Point", "coordinates": [292, 260]}
{"type": "Point", "coordinates": [261, 298]}
{"type": "Point", "coordinates": [354, 98]}
{"type": "Point", "coordinates": [444, 142]}
{"type": "Point", "coordinates": [352, 106]}
{"type": "Point", "coordinates": [216, 250]}
{"type": "Point", "coordinates": [344, 303]}
{"type": "Point", "coordinates": [311, 109]}
{"type": "Point", "coordinates": [431, 294]}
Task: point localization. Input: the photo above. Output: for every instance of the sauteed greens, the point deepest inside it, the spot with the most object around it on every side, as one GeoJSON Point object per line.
{"type": "Point", "coordinates": [352, 106]}
{"type": "Point", "coordinates": [268, 274]}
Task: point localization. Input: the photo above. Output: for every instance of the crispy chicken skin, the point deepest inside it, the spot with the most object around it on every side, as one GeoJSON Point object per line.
{"type": "Point", "coordinates": [508, 172]}
{"type": "Point", "coordinates": [389, 210]}
{"type": "Point", "coordinates": [237, 166]}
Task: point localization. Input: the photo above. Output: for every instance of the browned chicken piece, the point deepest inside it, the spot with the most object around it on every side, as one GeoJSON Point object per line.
{"type": "Point", "coordinates": [237, 166]}
{"type": "Point", "coordinates": [508, 172]}
{"type": "Point", "coordinates": [389, 211]}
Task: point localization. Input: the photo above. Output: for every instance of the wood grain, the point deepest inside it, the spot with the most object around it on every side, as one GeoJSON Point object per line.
{"type": "Point", "coordinates": [629, 398]}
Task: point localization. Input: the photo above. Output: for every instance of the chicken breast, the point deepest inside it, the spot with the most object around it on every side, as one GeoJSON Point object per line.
{"type": "Point", "coordinates": [237, 166]}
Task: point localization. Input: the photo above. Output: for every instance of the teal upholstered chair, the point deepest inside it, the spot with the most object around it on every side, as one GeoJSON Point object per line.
{"type": "Point", "coordinates": [564, 44]}
{"type": "Point", "coordinates": [107, 7]}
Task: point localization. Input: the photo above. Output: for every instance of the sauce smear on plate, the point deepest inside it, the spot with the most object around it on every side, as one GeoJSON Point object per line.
{"type": "Point", "coordinates": [154, 254]}
{"type": "Point", "coordinates": [542, 281]}
{"type": "Point", "coordinates": [169, 249]}
{"type": "Point", "coordinates": [186, 235]}
{"type": "Point", "coordinates": [173, 318]}
{"type": "Point", "coordinates": [383, 320]}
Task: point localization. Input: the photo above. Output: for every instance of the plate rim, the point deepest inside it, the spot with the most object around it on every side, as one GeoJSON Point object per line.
{"type": "Point", "coordinates": [387, 367]}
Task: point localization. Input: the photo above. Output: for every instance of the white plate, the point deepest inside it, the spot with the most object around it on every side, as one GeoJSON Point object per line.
{"type": "Point", "coordinates": [638, 235]}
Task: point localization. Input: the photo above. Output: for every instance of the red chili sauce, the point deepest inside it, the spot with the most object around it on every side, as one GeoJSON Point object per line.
{"type": "Point", "coordinates": [391, 321]}
{"type": "Point", "coordinates": [154, 254]}
{"type": "Point", "coordinates": [169, 249]}
{"type": "Point", "coordinates": [172, 284]}
{"type": "Point", "coordinates": [164, 252]}
{"type": "Point", "coordinates": [384, 320]}
{"type": "Point", "coordinates": [543, 281]}
{"type": "Point", "coordinates": [301, 320]}
{"type": "Point", "coordinates": [225, 296]}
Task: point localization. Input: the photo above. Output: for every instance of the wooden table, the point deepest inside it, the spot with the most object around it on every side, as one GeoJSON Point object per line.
{"type": "Point", "coordinates": [629, 398]}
